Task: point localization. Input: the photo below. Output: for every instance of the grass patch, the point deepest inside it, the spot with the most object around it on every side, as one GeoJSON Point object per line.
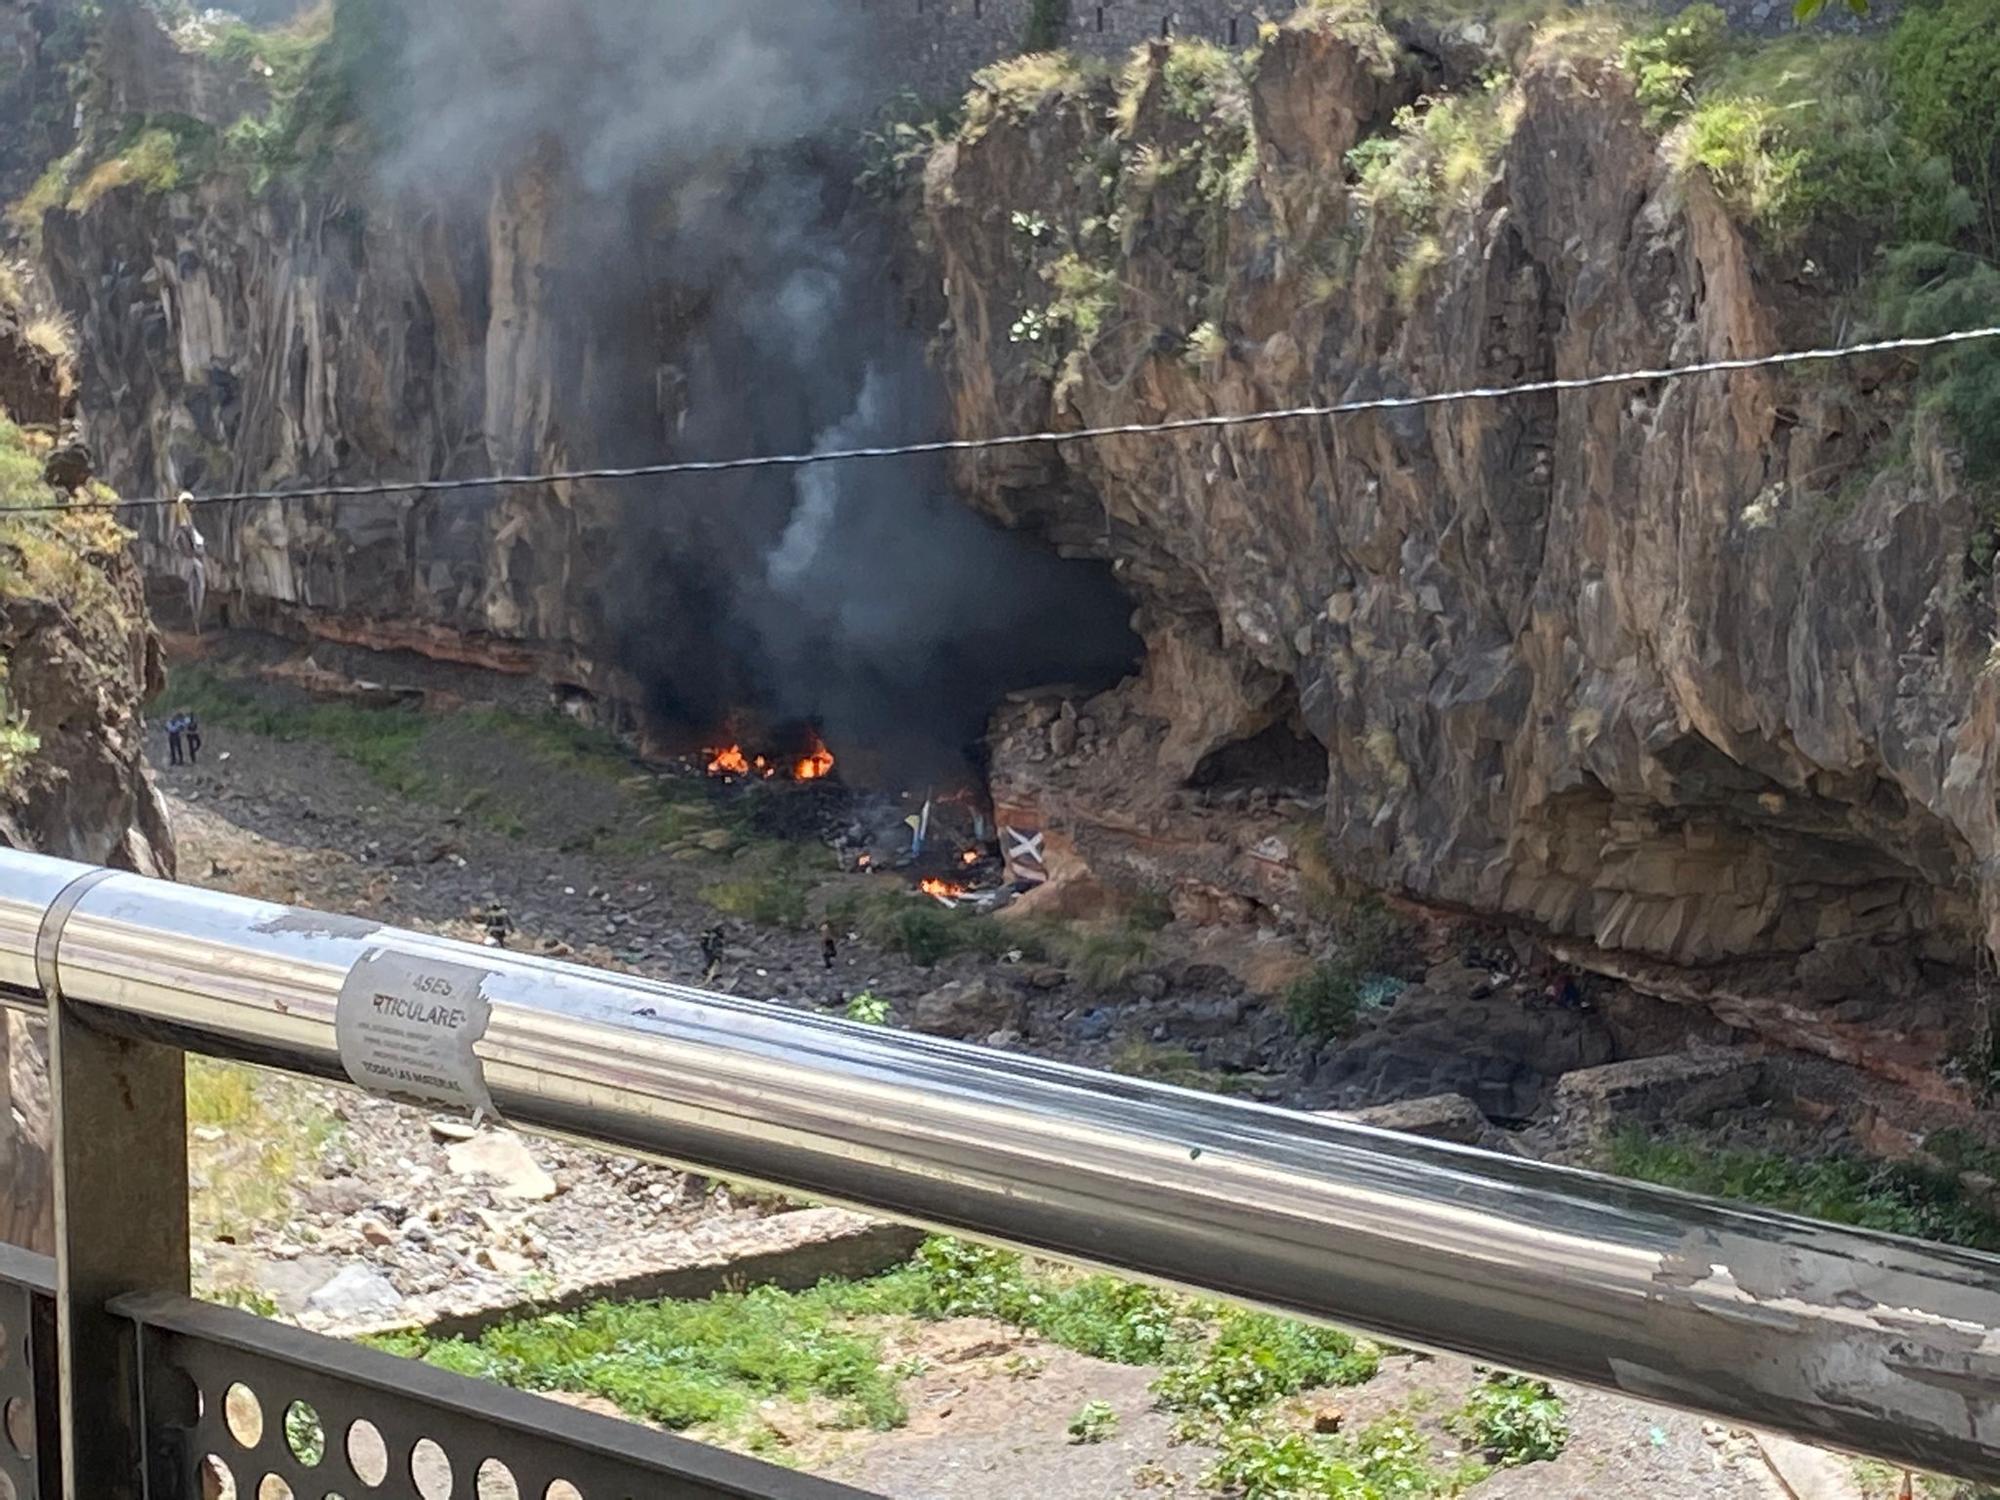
{"type": "Point", "coordinates": [1101, 954]}
{"type": "Point", "coordinates": [770, 886]}
{"type": "Point", "coordinates": [899, 921]}
{"type": "Point", "coordinates": [1139, 1058]}
{"type": "Point", "coordinates": [254, 1137]}
{"type": "Point", "coordinates": [697, 1364]}
{"type": "Point", "coordinates": [382, 741]}
{"type": "Point", "coordinates": [420, 756]}
{"type": "Point", "coordinates": [708, 1364]}
{"type": "Point", "coordinates": [1891, 1196]}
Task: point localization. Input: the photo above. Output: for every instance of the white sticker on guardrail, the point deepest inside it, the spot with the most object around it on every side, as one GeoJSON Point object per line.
{"type": "Point", "coordinates": [407, 1025]}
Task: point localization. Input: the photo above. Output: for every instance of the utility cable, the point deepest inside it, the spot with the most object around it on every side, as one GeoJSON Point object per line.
{"type": "Point", "coordinates": [379, 488]}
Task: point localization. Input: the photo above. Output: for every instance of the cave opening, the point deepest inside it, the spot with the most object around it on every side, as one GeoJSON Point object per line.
{"type": "Point", "coordinates": [1282, 757]}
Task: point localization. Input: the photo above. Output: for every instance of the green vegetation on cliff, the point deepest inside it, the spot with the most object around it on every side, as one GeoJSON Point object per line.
{"type": "Point", "coordinates": [60, 560]}
{"type": "Point", "coordinates": [1865, 165]}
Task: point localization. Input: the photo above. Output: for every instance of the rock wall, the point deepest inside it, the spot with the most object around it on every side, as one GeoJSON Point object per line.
{"type": "Point", "coordinates": [1609, 663]}
{"type": "Point", "coordinates": [232, 343]}
{"type": "Point", "coordinates": [78, 657]}
{"type": "Point", "coordinates": [78, 660]}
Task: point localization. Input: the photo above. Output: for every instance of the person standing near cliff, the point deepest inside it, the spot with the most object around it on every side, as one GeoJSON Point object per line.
{"type": "Point", "coordinates": [176, 724]}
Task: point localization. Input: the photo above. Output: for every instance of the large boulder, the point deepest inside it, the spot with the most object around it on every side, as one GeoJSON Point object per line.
{"type": "Point", "coordinates": [971, 1008]}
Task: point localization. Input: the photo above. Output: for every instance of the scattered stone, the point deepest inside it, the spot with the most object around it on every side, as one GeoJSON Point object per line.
{"type": "Point", "coordinates": [356, 1292]}
{"type": "Point", "coordinates": [1325, 1414]}
{"type": "Point", "coordinates": [504, 1157]}
{"type": "Point", "coordinates": [446, 1128]}
{"type": "Point", "coordinates": [504, 1262]}
{"type": "Point", "coordinates": [1093, 1025]}
{"type": "Point", "coordinates": [375, 1232]}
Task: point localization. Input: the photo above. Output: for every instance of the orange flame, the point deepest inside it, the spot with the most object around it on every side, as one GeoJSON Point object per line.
{"type": "Point", "coordinates": [970, 857]}
{"type": "Point", "coordinates": [941, 890]}
{"type": "Point", "coordinates": [812, 767]}
{"type": "Point", "coordinates": [734, 762]}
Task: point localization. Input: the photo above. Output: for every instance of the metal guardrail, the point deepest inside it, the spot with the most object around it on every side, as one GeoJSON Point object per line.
{"type": "Point", "coordinates": [1867, 1342]}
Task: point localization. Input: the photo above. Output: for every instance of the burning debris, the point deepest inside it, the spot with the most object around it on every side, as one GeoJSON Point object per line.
{"type": "Point", "coordinates": [940, 890]}
{"type": "Point", "coordinates": [732, 762]}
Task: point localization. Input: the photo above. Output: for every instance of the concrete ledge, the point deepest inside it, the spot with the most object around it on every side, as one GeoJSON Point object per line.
{"type": "Point", "coordinates": [791, 1250]}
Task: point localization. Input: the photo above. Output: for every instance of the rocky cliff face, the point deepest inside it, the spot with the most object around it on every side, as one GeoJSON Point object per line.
{"type": "Point", "coordinates": [1611, 662]}
{"type": "Point", "coordinates": [1678, 674]}
{"type": "Point", "coordinates": [78, 657]}
{"type": "Point", "coordinates": [239, 342]}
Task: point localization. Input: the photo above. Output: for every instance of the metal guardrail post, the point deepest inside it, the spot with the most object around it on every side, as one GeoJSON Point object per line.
{"type": "Point", "coordinates": [120, 1107]}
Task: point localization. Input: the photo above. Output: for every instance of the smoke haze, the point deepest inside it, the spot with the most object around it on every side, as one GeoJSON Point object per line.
{"type": "Point", "coordinates": [742, 300]}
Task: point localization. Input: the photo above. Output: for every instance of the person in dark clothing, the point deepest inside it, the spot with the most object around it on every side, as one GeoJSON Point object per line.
{"type": "Point", "coordinates": [176, 725]}
{"type": "Point", "coordinates": [711, 953]}
{"type": "Point", "coordinates": [828, 950]}
{"type": "Point", "coordinates": [192, 726]}
{"type": "Point", "coordinates": [498, 923]}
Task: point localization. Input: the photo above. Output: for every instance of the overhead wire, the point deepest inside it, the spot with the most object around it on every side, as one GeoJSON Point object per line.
{"type": "Point", "coordinates": [1212, 422]}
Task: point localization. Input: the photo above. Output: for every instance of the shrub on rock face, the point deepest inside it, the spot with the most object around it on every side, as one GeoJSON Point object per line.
{"type": "Point", "coordinates": [1322, 1006]}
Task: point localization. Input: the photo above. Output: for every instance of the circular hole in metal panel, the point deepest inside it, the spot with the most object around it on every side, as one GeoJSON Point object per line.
{"type": "Point", "coordinates": [561, 1489]}
{"type": "Point", "coordinates": [496, 1482]}
{"type": "Point", "coordinates": [274, 1488]}
{"type": "Point", "coordinates": [305, 1434]}
{"type": "Point", "coordinates": [243, 1415]}
{"type": "Point", "coordinates": [367, 1454]}
{"type": "Point", "coordinates": [430, 1470]}
{"type": "Point", "coordinates": [217, 1482]}
{"type": "Point", "coordinates": [20, 1416]}
{"type": "Point", "coordinates": [7, 1490]}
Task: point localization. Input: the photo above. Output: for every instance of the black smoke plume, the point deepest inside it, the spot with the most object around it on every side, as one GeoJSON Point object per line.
{"type": "Point", "coordinates": [735, 298]}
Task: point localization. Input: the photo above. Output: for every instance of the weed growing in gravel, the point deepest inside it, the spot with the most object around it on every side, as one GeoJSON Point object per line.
{"type": "Point", "coordinates": [1893, 1196]}
{"type": "Point", "coordinates": [1513, 1420]}
{"type": "Point", "coordinates": [1385, 1458]}
{"type": "Point", "coordinates": [1093, 1423]}
{"type": "Point", "coordinates": [869, 1008]}
{"type": "Point", "coordinates": [1254, 1359]}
